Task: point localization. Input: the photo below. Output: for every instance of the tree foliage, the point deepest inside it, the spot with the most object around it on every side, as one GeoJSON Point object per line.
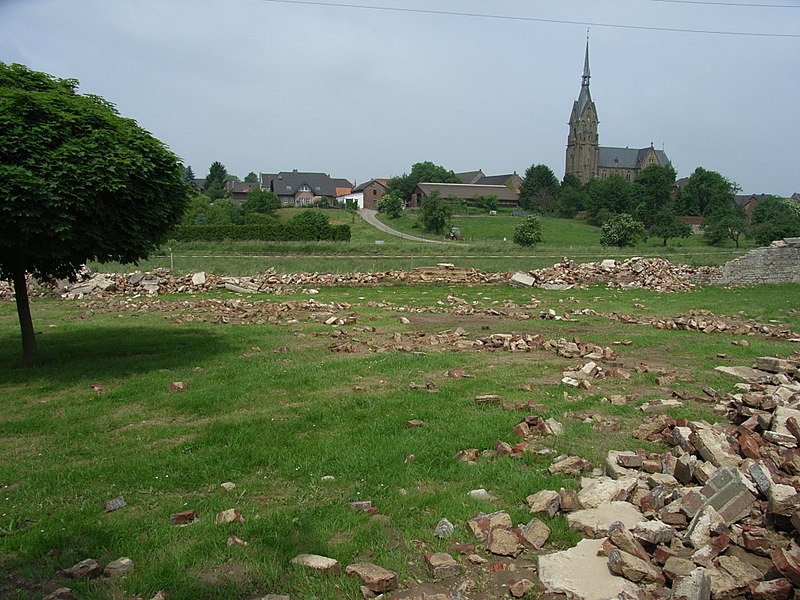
{"type": "Point", "coordinates": [251, 178]}
{"type": "Point", "coordinates": [621, 230]}
{"type": "Point", "coordinates": [188, 175]}
{"type": "Point", "coordinates": [391, 204]}
{"type": "Point", "coordinates": [724, 222]}
{"type": "Point", "coordinates": [215, 180]}
{"type": "Point", "coordinates": [435, 213]}
{"type": "Point", "coordinates": [78, 182]}
{"type": "Point", "coordinates": [539, 190]}
{"type": "Point", "coordinates": [608, 196]}
{"type": "Point", "coordinates": [528, 232]}
{"type": "Point", "coordinates": [261, 201]}
{"type": "Point", "coordinates": [652, 191]}
{"type": "Point", "coordinates": [310, 224]}
{"type": "Point", "coordinates": [706, 192]}
{"type": "Point", "coordinates": [666, 225]}
{"type": "Point", "coordinates": [421, 172]}
{"type": "Point", "coordinates": [774, 219]}
{"type": "Point", "coordinates": [487, 203]}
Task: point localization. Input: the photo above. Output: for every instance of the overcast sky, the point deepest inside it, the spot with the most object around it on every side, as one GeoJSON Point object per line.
{"type": "Point", "coordinates": [267, 86]}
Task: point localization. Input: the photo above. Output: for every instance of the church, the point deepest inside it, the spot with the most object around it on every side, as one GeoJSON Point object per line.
{"type": "Point", "coordinates": [586, 158]}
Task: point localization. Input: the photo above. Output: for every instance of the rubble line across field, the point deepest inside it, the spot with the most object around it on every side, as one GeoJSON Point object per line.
{"type": "Point", "coordinates": [635, 273]}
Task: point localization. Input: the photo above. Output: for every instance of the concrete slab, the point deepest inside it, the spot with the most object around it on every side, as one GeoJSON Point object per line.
{"type": "Point", "coordinates": [581, 574]}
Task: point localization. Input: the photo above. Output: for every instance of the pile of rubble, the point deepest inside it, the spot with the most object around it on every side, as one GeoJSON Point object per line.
{"type": "Point", "coordinates": [707, 322]}
{"type": "Point", "coordinates": [646, 273]}
{"type": "Point", "coordinates": [713, 517]}
{"type": "Point", "coordinates": [634, 273]}
{"type": "Point", "coordinates": [162, 281]}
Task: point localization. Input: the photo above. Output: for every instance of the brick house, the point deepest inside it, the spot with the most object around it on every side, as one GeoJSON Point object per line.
{"type": "Point", "coordinates": [294, 188]}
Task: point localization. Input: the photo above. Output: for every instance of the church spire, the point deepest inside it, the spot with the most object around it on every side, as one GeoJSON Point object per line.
{"type": "Point", "coordinates": [586, 76]}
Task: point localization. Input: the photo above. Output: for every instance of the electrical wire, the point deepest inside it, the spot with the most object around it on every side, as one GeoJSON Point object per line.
{"type": "Point", "coordinates": [532, 19]}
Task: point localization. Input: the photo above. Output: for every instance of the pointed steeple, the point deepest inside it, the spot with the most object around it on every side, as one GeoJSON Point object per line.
{"type": "Point", "coordinates": [586, 75]}
{"type": "Point", "coordinates": [583, 139]}
{"type": "Point", "coordinates": [585, 97]}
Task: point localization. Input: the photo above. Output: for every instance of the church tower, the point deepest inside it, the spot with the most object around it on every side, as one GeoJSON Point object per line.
{"type": "Point", "coordinates": [582, 142]}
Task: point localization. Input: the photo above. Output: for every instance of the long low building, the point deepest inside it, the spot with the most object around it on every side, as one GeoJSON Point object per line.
{"type": "Point", "coordinates": [463, 191]}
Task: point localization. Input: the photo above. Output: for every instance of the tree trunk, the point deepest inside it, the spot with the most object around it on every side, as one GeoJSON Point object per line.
{"type": "Point", "coordinates": [30, 353]}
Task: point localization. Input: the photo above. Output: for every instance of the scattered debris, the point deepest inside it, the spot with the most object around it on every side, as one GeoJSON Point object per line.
{"type": "Point", "coordinates": [315, 562]}
{"type": "Point", "coordinates": [114, 504]}
{"type": "Point", "coordinates": [184, 518]}
{"type": "Point", "coordinates": [86, 569]}
{"type": "Point", "coordinates": [119, 567]}
{"type": "Point", "coordinates": [178, 386]}
{"type": "Point", "coordinates": [230, 515]}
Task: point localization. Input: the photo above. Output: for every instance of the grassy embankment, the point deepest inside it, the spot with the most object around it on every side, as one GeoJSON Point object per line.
{"type": "Point", "coordinates": [276, 421]}
{"type": "Point", "coordinates": [483, 248]}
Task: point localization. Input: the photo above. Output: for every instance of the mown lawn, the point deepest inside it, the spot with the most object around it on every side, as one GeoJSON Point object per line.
{"type": "Point", "coordinates": [271, 408]}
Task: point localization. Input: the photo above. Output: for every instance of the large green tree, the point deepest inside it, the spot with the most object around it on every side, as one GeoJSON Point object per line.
{"type": "Point", "coordinates": [261, 201]}
{"type": "Point", "coordinates": [774, 219]}
{"type": "Point", "coordinates": [653, 192]}
{"type": "Point", "coordinates": [706, 192]}
{"type": "Point", "coordinates": [726, 221]}
{"type": "Point", "coordinates": [421, 172]}
{"type": "Point", "coordinates": [539, 190]}
{"type": "Point", "coordinates": [607, 197]}
{"type": "Point", "coordinates": [571, 196]}
{"type": "Point", "coordinates": [666, 225]}
{"type": "Point", "coordinates": [435, 213]}
{"type": "Point", "coordinates": [78, 182]}
{"type": "Point", "coordinates": [215, 180]}
{"type": "Point", "coordinates": [251, 178]}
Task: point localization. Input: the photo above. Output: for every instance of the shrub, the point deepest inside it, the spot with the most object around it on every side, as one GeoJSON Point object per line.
{"type": "Point", "coordinates": [621, 230]}
{"type": "Point", "coordinates": [529, 232]}
{"type": "Point", "coordinates": [391, 204]}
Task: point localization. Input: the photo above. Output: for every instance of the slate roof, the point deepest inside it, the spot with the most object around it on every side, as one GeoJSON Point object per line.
{"type": "Point", "coordinates": [361, 187]}
{"type": "Point", "coordinates": [494, 179]}
{"type": "Point", "coordinates": [286, 183]}
{"type": "Point", "coordinates": [468, 191]}
{"type": "Point", "coordinates": [470, 176]}
{"type": "Point", "coordinates": [796, 197]}
{"type": "Point", "coordinates": [627, 158]}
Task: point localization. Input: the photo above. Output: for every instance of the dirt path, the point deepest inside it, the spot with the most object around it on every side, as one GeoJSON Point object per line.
{"type": "Point", "coordinates": [370, 217]}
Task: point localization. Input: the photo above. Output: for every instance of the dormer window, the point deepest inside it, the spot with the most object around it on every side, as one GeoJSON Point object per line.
{"type": "Point", "coordinates": [304, 188]}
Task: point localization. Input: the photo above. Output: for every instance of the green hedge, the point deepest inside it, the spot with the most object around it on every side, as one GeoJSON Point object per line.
{"type": "Point", "coordinates": [273, 232]}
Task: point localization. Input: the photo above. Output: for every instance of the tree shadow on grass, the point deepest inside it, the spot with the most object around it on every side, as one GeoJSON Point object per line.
{"type": "Point", "coordinates": [103, 352]}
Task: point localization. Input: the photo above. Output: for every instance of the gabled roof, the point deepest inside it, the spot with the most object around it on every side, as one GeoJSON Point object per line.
{"type": "Point", "coordinates": [745, 199]}
{"type": "Point", "coordinates": [361, 187]}
{"type": "Point", "coordinates": [495, 179]}
{"type": "Point", "coordinates": [467, 191]}
{"type": "Point", "coordinates": [470, 176]}
{"type": "Point", "coordinates": [627, 158]}
{"type": "Point", "coordinates": [795, 197]}
{"type": "Point", "coordinates": [286, 183]}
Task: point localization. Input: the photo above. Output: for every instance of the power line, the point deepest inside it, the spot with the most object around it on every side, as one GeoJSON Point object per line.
{"type": "Point", "coordinates": [531, 19]}
{"type": "Point", "coordinates": [744, 4]}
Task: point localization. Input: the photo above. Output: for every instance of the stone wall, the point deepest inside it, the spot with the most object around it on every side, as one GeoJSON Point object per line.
{"type": "Point", "coordinates": [777, 263]}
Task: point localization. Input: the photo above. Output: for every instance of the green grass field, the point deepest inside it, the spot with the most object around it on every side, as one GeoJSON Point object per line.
{"type": "Point", "coordinates": [271, 408]}
{"type": "Point", "coordinates": [369, 250]}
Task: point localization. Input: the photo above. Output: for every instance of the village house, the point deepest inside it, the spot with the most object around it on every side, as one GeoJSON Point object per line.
{"type": "Point", "coordinates": [367, 195]}
{"type": "Point", "coordinates": [295, 188]}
